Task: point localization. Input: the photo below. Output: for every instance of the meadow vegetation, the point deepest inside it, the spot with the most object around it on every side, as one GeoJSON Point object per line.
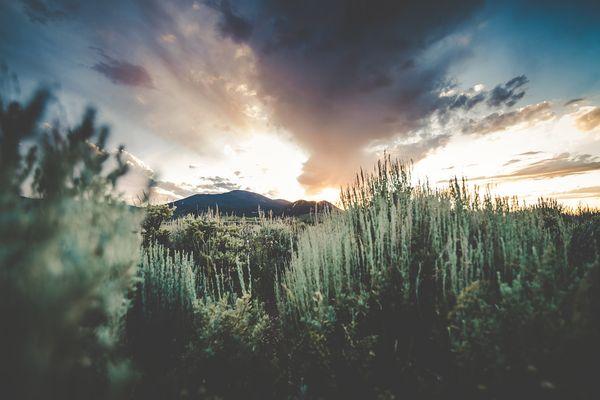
{"type": "Point", "coordinates": [409, 292]}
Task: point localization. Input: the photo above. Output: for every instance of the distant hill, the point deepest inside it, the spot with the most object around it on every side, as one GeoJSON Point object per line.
{"type": "Point", "coordinates": [241, 202]}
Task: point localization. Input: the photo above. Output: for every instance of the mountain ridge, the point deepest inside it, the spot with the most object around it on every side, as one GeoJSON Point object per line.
{"type": "Point", "coordinates": [246, 203]}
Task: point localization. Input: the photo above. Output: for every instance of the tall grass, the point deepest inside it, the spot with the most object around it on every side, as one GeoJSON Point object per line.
{"type": "Point", "coordinates": [411, 280]}
{"type": "Point", "coordinates": [167, 283]}
{"type": "Point", "coordinates": [425, 239]}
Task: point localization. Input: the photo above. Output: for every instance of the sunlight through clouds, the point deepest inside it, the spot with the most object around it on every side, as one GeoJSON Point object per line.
{"type": "Point", "coordinates": [228, 87]}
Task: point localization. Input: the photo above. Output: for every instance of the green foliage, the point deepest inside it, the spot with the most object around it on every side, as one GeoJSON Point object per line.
{"type": "Point", "coordinates": [224, 249]}
{"type": "Point", "coordinates": [233, 353]}
{"type": "Point", "coordinates": [410, 292]}
{"type": "Point", "coordinates": [67, 259]}
{"type": "Point", "coordinates": [152, 231]}
{"type": "Point", "coordinates": [160, 323]}
{"type": "Point", "coordinates": [191, 336]}
{"type": "Point", "coordinates": [422, 282]}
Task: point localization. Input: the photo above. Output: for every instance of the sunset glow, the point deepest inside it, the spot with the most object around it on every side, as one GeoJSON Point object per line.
{"type": "Point", "coordinates": [209, 98]}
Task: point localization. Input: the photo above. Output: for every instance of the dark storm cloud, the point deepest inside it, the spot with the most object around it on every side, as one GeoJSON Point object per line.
{"type": "Point", "coordinates": [509, 93]}
{"type": "Point", "coordinates": [500, 121]}
{"type": "Point", "coordinates": [337, 74]}
{"type": "Point", "coordinates": [561, 165]}
{"type": "Point", "coordinates": [231, 25]}
{"type": "Point", "coordinates": [44, 11]}
{"type": "Point", "coordinates": [122, 72]}
{"type": "Point", "coordinates": [342, 73]}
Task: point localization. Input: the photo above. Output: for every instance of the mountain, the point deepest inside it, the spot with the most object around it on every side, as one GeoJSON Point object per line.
{"type": "Point", "coordinates": [242, 202]}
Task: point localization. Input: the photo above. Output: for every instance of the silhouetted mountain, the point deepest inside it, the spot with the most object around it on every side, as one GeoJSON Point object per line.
{"type": "Point", "coordinates": [301, 207]}
{"type": "Point", "coordinates": [241, 202]}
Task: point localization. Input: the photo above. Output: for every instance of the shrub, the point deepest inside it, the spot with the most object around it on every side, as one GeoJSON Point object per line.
{"type": "Point", "coordinates": [152, 230]}
{"type": "Point", "coordinates": [256, 249]}
{"type": "Point", "coordinates": [233, 353]}
{"type": "Point", "coordinates": [191, 336]}
{"type": "Point", "coordinates": [67, 259]}
{"type": "Point", "coordinates": [160, 323]}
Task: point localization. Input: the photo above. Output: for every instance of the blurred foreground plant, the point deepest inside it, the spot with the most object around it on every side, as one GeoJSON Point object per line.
{"type": "Point", "coordinates": [68, 255]}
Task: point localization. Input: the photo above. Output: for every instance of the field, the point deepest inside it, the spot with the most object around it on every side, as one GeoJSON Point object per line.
{"type": "Point", "coordinates": [409, 292]}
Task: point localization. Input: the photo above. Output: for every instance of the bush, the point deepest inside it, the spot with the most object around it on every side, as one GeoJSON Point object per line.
{"type": "Point", "coordinates": [258, 249]}
{"type": "Point", "coordinates": [67, 260]}
{"type": "Point", "coordinates": [233, 353]}
{"type": "Point", "coordinates": [152, 230]}
{"type": "Point", "coordinates": [192, 337]}
{"type": "Point", "coordinates": [160, 323]}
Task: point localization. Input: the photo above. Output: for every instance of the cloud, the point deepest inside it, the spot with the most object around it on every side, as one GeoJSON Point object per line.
{"type": "Point", "coordinates": [340, 74]}
{"type": "Point", "coordinates": [530, 153]}
{"type": "Point", "coordinates": [589, 121]}
{"type": "Point", "coordinates": [364, 71]}
{"type": "Point", "coordinates": [216, 184]}
{"type": "Point", "coordinates": [500, 121]}
{"type": "Point", "coordinates": [574, 101]}
{"type": "Point", "coordinates": [502, 95]}
{"type": "Point", "coordinates": [122, 72]}
{"type": "Point", "coordinates": [510, 162]}
{"type": "Point", "coordinates": [176, 191]}
{"type": "Point", "coordinates": [44, 11]}
{"type": "Point", "coordinates": [139, 175]}
{"type": "Point", "coordinates": [136, 164]}
{"type": "Point", "coordinates": [561, 165]}
{"type": "Point", "coordinates": [133, 184]}
{"type": "Point", "coordinates": [579, 193]}
{"type": "Point", "coordinates": [335, 74]}
{"type": "Point", "coordinates": [466, 101]}
{"type": "Point", "coordinates": [161, 191]}
{"type": "Point", "coordinates": [231, 25]}
{"type": "Point", "coordinates": [174, 46]}
{"type": "Point", "coordinates": [509, 93]}
{"type": "Point", "coordinates": [168, 38]}
{"type": "Point", "coordinates": [418, 150]}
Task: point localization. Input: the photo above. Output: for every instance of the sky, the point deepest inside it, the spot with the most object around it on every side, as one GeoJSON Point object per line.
{"type": "Point", "coordinates": [290, 99]}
